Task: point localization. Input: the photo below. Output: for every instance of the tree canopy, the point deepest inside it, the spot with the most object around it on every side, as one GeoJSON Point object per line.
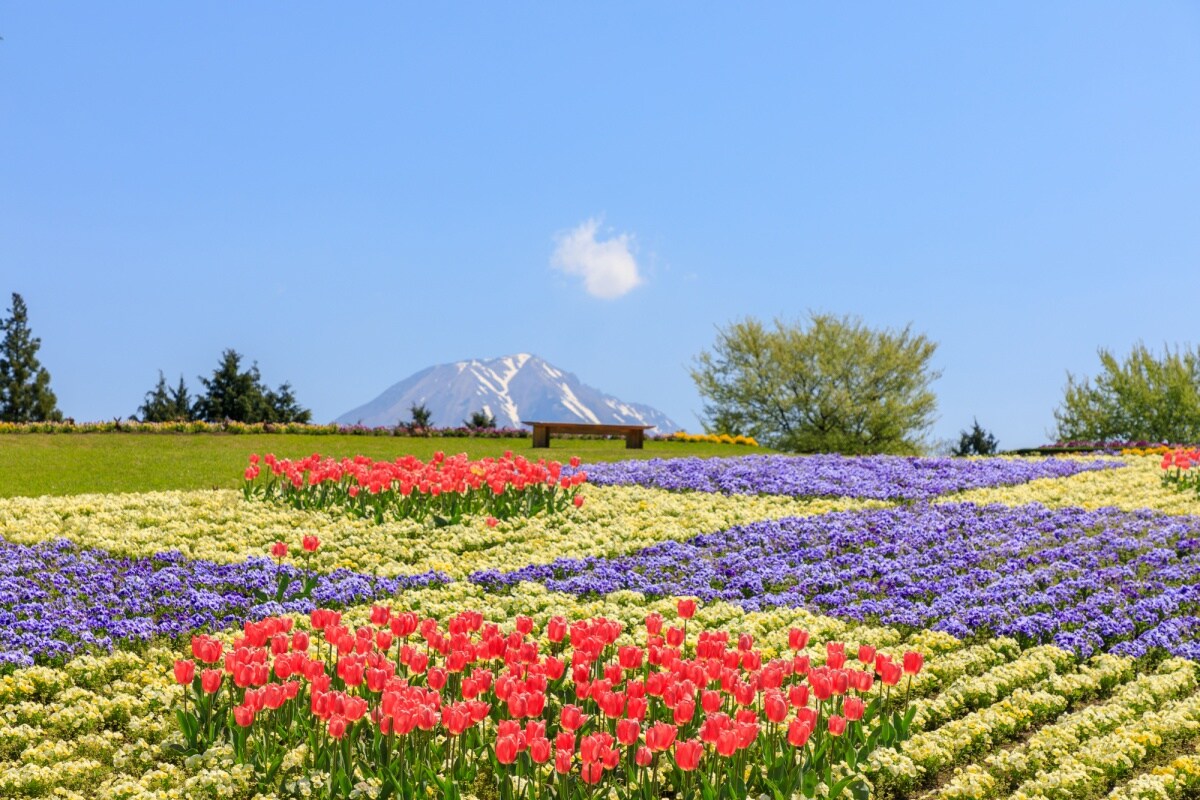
{"type": "Point", "coordinates": [1144, 397]}
{"type": "Point", "coordinates": [834, 385]}
{"type": "Point", "coordinates": [976, 442]}
{"type": "Point", "coordinates": [240, 395]}
{"type": "Point", "coordinates": [25, 394]}
{"type": "Point", "coordinates": [166, 405]}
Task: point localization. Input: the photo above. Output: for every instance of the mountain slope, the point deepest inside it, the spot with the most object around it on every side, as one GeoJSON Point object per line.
{"type": "Point", "coordinates": [510, 388]}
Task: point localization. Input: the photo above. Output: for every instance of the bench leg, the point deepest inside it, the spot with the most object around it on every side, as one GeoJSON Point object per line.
{"type": "Point", "coordinates": [633, 440]}
{"type": "Point", "coordinates": [541, 436]}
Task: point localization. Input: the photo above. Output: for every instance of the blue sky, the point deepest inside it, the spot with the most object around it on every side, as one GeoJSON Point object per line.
{"type": "Point", "coordinates": [349, 196]}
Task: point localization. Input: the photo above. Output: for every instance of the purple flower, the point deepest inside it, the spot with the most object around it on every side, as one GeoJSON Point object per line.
{"type": "Point", "coordinates": [58, 599]}
{"type": "Point", "coordinates": [1084, 580]}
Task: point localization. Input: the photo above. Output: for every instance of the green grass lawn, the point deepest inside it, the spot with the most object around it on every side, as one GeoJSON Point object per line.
{"type": "Point", "coordinates": [79, 463]}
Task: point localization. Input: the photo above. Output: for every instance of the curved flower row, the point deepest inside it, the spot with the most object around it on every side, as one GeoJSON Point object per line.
{"type": "Point", "coordinates": [1003, 770]}
{"type": "Point", "coordinates": [928, 752]}
{"type": "Point", "coordinates": [220, 526]}
{"type": "Point", "coordinates": [874, 477]}
{"type": "Point", "coordinates": [58, 599]}
{"type": "Point", "coordinates": [1084, 580]}
{"type": "Point", "coordinates": [1098, 763]}
{"type": "Point", "coordinates": [1137, 487]}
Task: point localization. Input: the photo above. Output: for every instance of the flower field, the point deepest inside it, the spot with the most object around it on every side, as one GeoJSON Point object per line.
{"type": "Point", "coordinates": [924, 628]}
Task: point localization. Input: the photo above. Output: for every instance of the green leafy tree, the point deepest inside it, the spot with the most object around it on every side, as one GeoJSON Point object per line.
{"type": "Point", "coordinates": [1145, 397]}
{"type": "Point", "coordinates": [25, 394]}
{"type": "Point", "coordinates": [834, 385]}
{"type": "Point", "coordinates": [480, 420]}
{"type": "Point", "coordinates": [240, 396]}
{"type": "Point", "coordinates": [976, 442]}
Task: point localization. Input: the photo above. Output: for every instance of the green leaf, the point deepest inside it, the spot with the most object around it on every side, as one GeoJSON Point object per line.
{"type": "Point", "coordinates": [836, 789]}
{"type": "Point", "coordinates": [809, 784]}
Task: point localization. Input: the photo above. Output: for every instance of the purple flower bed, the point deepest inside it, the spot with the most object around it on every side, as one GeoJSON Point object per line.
{"type": "Point", "coordinates": [58, 599]}
{"type": "Point", "coordinates": [873, 477]}
{"type": "Point", "coordinates": [1127, 582]}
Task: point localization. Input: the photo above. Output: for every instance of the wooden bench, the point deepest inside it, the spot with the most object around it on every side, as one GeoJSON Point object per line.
{"type": "Point", "coordinates": [634, 435]}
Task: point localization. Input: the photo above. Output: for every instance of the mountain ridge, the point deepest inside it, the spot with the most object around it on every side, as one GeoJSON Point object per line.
{"type": "Point", "coordinates": [510, 388]}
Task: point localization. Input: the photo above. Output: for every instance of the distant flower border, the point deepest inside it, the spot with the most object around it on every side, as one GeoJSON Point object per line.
{"type": "Point", "coordinates": [231, 427]}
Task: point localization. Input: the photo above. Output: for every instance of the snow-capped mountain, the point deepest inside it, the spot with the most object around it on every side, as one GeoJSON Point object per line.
{"type": "Point", "coordinates": [510, 388]}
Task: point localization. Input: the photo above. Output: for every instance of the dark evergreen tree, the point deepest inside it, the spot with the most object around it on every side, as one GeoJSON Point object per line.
{"type": "Point", "coordinates": [181, 402]}
{"type": "Point", "coordinates": [232, 393]}
{"type": "Point", "coordinates": [421, 417]}
{"type": "Point", "coordinates": [283, 406]}
{"type": "Point", "coordinates": [157, 406]}
{"type": "Point", "coordinates": [25, 394]}
{"type": "Point", "coordinates": [480, 420]}
{"type": "Point", "coordinates": [166, 405]}
{"type": "Point", "coordinates": [239, 396]}
{"type": "Point", "coordinates": [976, 442]}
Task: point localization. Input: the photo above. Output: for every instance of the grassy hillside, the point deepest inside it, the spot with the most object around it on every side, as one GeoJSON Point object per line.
{"type": "Point", "coordinates": [62, 464]}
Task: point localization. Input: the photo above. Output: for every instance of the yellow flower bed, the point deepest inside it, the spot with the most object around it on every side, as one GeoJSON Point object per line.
{"type": "Point", "coordinates": [221, 526]}
{"type": "Point", "coordinates": [1137, 486]}
{"type": "Point", "coordinates": [711, 438]}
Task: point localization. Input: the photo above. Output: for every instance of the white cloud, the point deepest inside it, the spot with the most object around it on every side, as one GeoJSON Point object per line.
{"type": "Point", "coordinates": [608, 267]}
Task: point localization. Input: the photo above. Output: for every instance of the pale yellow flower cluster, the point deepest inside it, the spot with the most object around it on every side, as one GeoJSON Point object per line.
{"type": "Point", "coordinates": [222, 526]}
{"type": "Point", "coordinates": [1137, 486]}
{"type": "Point", "coordinates": [1046, 748]}
{"type": "Point", "coordinates": [1102, 760]}
{"type": "Point", "coordinates": [1016, 701]}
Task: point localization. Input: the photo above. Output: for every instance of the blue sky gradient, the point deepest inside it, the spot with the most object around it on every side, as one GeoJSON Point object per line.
{"type": "Point", "coordinates": [349, 195]}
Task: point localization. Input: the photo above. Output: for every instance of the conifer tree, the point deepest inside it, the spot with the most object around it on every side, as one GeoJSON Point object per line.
{"type": "Point", "coordinates": [157, 406]}
{"type": "Point", "coordinates": [25, 394]}
{"type": "Point", "coordinates": [181, 402]}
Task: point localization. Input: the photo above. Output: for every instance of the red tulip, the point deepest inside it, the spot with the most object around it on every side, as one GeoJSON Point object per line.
{"type": "Point", "coordinates": [660, 736]}
{"type": "Point", "coordinates": [686, 608]}
{"type": "Point", "coordinates": [775, 706]}
{"type": "Point", "coordinates": [837, 725]}
{"type": "Point", "coordinates": [507, 749]}
{"type": "Point", "coordinates": [185, 671]}
{"type": "Point", "coordinates": [913, 662]}
{"type": "Point", "coordinates": [572, 718]}
{"type": "Point", "coordinates": [866, 653]}
{"type": "Point", "coordinates": [591, 772]}
{"type": "Point", "coordinates": [310, 544]}
{"type": "Point", "coordinates": [539, 750]}
{"type": "Point", "coordinates": [562, 761]}
{"type": "Point", "coordinates": [853, 708]}
{"type": "Point", "coordinates": [556, 629]}
{"type": "Point", "coordinates": [628, 731]}
{"type": "Point", "coordinates": [654, 624]}
{"type": "Point", "coordinates": [210, 680]}
{"type": "Point", "coordinates": [687, 754]}
{"type": "Point", "coordinates": [243, 715]}
{"type": "Point", "coordinates": [279, 550]}
{"type": "Point", "coordinates": [797, 639]}
{"type": "Point", "coordinates": [337, 727]}
{"type": "Point", "coordinates": [798, 733]}
{"type": "Point", "coordinates": [577, 500]}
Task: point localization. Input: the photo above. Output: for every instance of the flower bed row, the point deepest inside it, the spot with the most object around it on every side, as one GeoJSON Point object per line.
{"type": "Point", "coordinates": [222, 527]}
{"type": "Point", "coordinates": [444, 489]}
{"type": "Point", "coordinates": [683, 712]}
{"type": "Point", "coordinates": [58, 599]}
{"type": "Point", "coordinates": [874, 477]}
{"type": "Point", "coordinates": [1084, 580]}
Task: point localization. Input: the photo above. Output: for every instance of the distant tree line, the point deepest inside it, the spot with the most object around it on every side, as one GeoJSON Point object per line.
{"type": "Point", "coordinates": [232, 393]}
{"type": "Point", "coordinates": [831, 385]}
